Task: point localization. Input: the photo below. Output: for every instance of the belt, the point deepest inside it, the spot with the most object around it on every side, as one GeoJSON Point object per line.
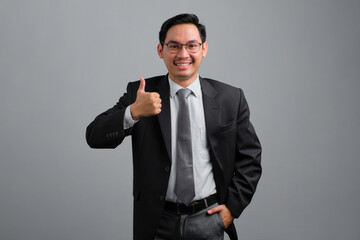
{"type": "Point", "coordinates": [193, 207]}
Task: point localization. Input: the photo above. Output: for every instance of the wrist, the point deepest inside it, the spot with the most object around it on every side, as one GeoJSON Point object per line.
{"type": "Point", "coordinates": [135, 116]}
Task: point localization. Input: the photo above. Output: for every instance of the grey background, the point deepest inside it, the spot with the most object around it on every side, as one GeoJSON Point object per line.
{"type": "Point", "coordinates": [64, 62]}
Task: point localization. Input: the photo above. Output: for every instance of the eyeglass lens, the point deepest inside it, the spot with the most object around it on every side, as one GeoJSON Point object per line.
{"type": "Point", "coordinates": [190, 47]}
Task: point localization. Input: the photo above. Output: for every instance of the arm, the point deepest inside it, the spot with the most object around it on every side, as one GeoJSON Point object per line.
{"type": "Point", "coordinates": [247, 169]}
{"type": "Point", "coordinates": [107, 130]}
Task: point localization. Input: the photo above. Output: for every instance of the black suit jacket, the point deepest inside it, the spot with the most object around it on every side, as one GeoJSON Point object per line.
{"type": "Point", "coordinates": [235, 150]}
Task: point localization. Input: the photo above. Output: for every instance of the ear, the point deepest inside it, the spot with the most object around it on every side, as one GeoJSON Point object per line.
{"type": "Point", "coordinates": [160, 50]}
{"type": "Point", "coordinates": [205, 49]}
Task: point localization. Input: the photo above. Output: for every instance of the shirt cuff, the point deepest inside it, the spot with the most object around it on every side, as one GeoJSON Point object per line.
{"type": "Point", "coordinates": [128, 121]}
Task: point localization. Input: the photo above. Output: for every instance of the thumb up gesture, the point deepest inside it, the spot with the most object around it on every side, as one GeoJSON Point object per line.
{"type": "Point", "coordinates": [146, 103]}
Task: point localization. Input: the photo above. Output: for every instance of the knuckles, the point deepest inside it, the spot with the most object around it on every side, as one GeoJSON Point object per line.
{"type": "Point", "coordinates": [149, 103]}
{"type": "Point", "coordinates": [155, 95]}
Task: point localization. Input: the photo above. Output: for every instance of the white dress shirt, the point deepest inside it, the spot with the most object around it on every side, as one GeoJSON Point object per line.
{"type": "Point", "coordinates": [203, 175]}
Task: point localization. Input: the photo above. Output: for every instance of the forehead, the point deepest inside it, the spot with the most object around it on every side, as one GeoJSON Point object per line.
{"type": "Point", "coordinates": [183, 33]}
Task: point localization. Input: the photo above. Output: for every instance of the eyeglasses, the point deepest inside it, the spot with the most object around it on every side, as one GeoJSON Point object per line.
{"type": "Point", "coordinates": [191, 47]}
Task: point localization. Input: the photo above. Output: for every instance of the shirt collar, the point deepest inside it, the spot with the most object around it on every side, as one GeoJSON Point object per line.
{"type": "Point", "coordinates": [194, 87]}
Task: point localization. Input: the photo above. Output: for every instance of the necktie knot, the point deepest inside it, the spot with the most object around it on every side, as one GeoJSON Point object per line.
{"type": "Point", "coordinates": [184, 92]}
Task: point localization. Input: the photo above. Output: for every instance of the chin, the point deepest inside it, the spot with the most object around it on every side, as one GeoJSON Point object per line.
{"type": "Point", "coordinates": [183, 77]}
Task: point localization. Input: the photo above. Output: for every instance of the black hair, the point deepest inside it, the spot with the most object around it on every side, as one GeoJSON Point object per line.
{"type": "Point", "coordinates": [182, 19]}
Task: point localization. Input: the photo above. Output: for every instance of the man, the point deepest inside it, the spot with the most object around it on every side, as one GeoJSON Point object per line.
{"type": "Point", "coordinates": [196, 156]}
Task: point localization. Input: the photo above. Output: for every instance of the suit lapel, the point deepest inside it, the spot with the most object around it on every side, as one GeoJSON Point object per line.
{"type": "Point", "coordinates": [212, 111]}
{"type": "Point", "coordinates": [211, 108]}
{"type": "Point", "coordinates": [164, 116]}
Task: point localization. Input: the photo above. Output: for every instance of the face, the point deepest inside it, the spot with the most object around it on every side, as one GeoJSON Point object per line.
{"type": "Point", "coordinates": [182, 66]}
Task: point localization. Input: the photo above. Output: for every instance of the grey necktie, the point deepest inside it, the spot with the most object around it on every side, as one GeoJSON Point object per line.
{"type": "Point", "coordinates": [184, 185]}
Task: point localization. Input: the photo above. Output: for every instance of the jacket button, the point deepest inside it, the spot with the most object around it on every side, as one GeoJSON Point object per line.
{"type": "Point", "coordinates": [167, 169]}
{"type": "Point", "coordinates": [162, 197]}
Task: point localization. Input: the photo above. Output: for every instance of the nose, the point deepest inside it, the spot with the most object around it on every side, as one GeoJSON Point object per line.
{"type": "Point", "coordinates": [183, 52]}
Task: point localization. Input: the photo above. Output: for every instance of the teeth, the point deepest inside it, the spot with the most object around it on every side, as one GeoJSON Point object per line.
{"type": "Point", "coordinates": [183, 64]}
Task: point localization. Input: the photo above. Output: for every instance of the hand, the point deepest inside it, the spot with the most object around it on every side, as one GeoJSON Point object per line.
{"type": "Point", "coordinates": [146, 103]}
{"type": "Point", "coordinates": [225, 214]}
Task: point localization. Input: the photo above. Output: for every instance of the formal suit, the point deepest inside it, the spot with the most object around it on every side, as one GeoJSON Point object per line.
{"type": "Point", "coordinates": [235, 150]}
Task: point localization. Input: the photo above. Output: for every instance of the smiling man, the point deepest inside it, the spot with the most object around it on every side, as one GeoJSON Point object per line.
{"type": "Point", "coordinates": [183, 62]}
{"type": "Point", "coordinates": [196, 156]}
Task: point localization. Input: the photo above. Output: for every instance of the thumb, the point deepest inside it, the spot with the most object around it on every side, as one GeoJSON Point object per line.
{"type": "Point", "coordinates": [215, 209]}
{"type": "Point", "coordinates": [142, 85]}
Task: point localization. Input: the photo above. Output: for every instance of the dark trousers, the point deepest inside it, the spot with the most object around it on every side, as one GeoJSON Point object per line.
{"type": "Point", "coordinates": [197, 226]}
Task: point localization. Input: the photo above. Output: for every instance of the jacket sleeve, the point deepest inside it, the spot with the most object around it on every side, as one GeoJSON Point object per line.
{"type": "Point", "coordinates": [247, 169]}
{"type": "Point", "coordinates": [107, 129]}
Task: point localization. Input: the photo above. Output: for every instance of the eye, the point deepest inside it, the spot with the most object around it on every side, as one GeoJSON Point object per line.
{"type": "Point", "coordinates": [192, 47]}
{"type": "Point", "coordinates": [173, 46]}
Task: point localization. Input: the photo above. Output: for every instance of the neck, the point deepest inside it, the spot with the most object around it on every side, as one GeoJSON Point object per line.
{"type": "Point", "coordinates": [184, 82]}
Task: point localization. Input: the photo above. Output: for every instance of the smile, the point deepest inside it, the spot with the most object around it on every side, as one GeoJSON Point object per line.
{"type": "Point", "coordinates": [182, 64]}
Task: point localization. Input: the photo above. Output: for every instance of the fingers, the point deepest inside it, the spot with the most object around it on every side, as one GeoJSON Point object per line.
{"type": "Point", "coordinates": [155, 95]}
{"type": "Point", "coordinates": [225, 214]}
{"type": "Point", "coordinates": [215, 209]}
{"type": "Point", "coordinates": [142, 85]}
{"type": "Point", "coordinates": [146, 103]}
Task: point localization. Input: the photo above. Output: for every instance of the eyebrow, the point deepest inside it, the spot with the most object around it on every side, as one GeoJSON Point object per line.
{"type": "Point", "coordinates": [191, 41]}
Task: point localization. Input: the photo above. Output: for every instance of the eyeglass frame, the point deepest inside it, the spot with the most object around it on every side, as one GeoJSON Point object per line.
{"type": "Point", "coordinates": [183, 44]}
